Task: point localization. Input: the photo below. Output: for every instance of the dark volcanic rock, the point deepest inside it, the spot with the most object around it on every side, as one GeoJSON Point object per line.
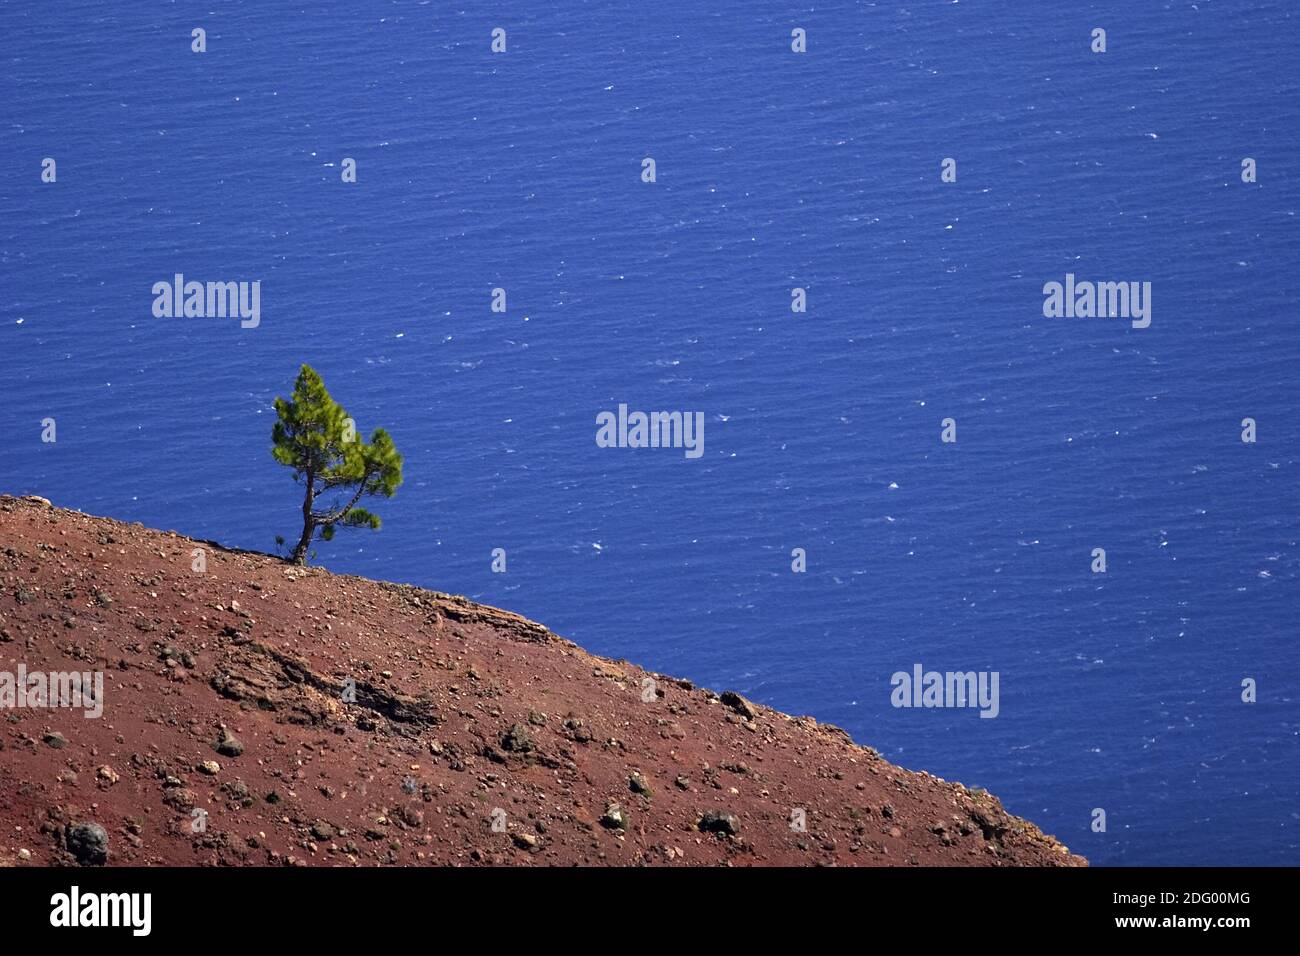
{"type": "Point", "coordinates": [88, 842]}
{"type": "Point", "coordinates": [739, 704]}
{"type": "Point", "coordinates": [228, 745]}
{"type": "Point", "coordinates": [716, 821]}
{"type": "Point", "coordinates": [516, 739]}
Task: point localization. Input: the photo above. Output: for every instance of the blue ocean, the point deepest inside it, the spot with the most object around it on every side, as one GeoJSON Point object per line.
{"type": "Point", "coordinates": [774, 170]}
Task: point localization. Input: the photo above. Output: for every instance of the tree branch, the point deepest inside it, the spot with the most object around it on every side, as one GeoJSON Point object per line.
{"type": "Point", "coordinates": [361, 489]}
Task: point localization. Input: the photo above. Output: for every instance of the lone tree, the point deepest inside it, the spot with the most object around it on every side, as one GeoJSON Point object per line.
{"type": "Point", "coordinates": [315, 437]}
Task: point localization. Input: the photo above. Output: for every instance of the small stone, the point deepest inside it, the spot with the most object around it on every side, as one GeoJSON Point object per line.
{"type": "Point", "coordinates": [322, 831]}
{"type": "Point", "coordinates": [108, 775]}
{"type": "Point", "coordinates": [410, 816]}
{"type": "Point", "coordinates": [739, 704]}
{"type": "Point", "coordinates": [637, 784]}
{"type": "Point", "coordinates": [181, 798]}
{"type": "Point", "coordinates": [717, 821]}
{"type": "Point", "coordinates": [228, 745]}
{"type": "Point", "coordinates": [210, 767]}
{"type": "Point", "coordinates": [55, 739]}
{"type": "Point", "coordinates": [613, 818]}
{"type": "Point", "coordinates": [88, 842]}
{"type": "Point", "coordinates": [516, 739]}
{"type": "Point", "coordinates": [237, 789]}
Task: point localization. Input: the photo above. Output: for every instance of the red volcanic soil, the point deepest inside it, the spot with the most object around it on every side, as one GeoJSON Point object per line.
{"type": "Point", "coordinates": [463, 715]}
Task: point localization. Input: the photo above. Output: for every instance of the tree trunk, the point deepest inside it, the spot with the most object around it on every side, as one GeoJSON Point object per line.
{"type": "Point", "coordinates": [299, 555]}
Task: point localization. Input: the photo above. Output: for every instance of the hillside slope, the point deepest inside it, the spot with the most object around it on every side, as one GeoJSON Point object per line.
{"type": "Point", "coordinates": [225, 736]}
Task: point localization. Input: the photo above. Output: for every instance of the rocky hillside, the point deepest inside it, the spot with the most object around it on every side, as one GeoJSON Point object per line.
{"type": "Point", "coordinates": [259, 714]}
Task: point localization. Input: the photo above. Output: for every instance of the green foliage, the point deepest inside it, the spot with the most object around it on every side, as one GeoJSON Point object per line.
{"type": "Point", "coordinates": [314, 436]}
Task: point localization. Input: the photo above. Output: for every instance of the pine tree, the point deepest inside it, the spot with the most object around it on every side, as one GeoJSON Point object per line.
{"type": "Point", "coordinates": [315, 437]}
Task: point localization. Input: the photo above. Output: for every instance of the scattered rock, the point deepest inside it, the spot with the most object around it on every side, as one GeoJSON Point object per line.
{"type": "Point", "coordinates": [322, 831]}
{"type": "Point", "coordinates": [238, 791]}
{"type": "Point", "coordinates": [718, 821]}
{"type": "Point", "coordinates": [181, 798]}
{"type": "Point", "coordinates": [228, 745]}
{"type": "Point", "coordinates": [517, 739]}
{"type": "Point", "coordinates": [739, 704]}
{"type": "Point", "coordinates": [410, 816]}
{"type": "Point", "coordinates": [88, 842]}
{"type": "Point", "coordinates": [613, 818]}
